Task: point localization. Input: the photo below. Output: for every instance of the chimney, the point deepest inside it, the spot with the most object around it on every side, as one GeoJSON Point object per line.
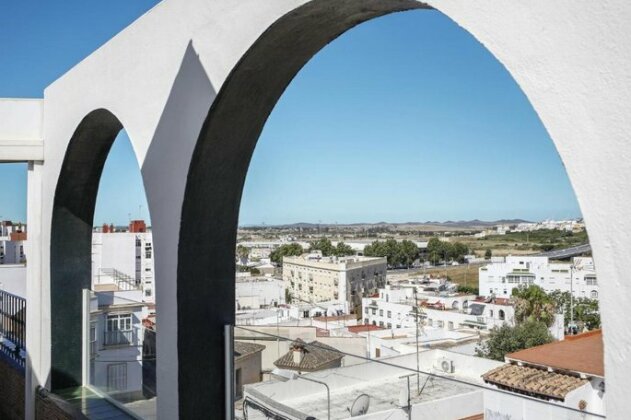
{"type": "Point", "coordinates": [297, 356]}
{"type": "Point", "coordinates": [298, 351]}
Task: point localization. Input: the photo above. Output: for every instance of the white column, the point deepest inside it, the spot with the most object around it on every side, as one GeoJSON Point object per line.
{"type": "Point", "coordinates": [37, 304]}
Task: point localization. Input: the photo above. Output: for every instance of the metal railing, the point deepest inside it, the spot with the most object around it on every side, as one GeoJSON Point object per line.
{"type": "Point", "coordinates": [123, 281]}
{"type": "Point", "coordinates": [119, 338]}
{"type": "Point", "coordinates": [13, 326]}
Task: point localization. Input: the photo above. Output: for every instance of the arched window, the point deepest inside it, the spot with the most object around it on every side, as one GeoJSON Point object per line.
{"type": "Point", "coordinates": [594, 294]}
{"type": "Point", "coordinates": [501, 315]}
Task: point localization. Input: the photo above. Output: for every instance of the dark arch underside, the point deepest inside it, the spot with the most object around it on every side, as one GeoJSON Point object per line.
{"type": "Point", "coordinates": [71, 240]}
{"type": "Point", "coordinates": [206, 267]}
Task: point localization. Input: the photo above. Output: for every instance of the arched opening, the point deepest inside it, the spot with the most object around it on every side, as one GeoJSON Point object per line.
{"type": "Point", "coordinates": [71, 241]}
{"type": "Point", "coordinates": [218, 169]}
{"type": "Point", "coordinates": [501, 315]}
{"type": "Point", "coordinates": [122, 338]}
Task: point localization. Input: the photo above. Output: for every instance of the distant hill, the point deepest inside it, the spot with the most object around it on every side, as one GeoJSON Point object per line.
{"type": "Point", "coordinates": [449, 224]}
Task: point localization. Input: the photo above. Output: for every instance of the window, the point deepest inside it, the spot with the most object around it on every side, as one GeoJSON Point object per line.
{"type": "Point", "coordinates": [590, 280]}
{"type": "Point", "coordinates": [380, 312]}
{"type": "Point", "coordinates": [381, 324]}
{"type": "Point", "coordinates": [389, 314]}
{"type": "Point", "coordinates": [147, 292]}
{"type": "Point", "coordinates": [118, 329]}
{"type": "Point", "coordinates": [389, 325]}
{"type": "Point", "coordinates": [92, 339]}
{"type": "Point", "coordinates": [374, 312]}
{"type": "Point", "coordinates": [117, 377]}
{"type": "Point", "coordinates": [594, 294]}
{"type": "Point", "coordinates": [501, 315]}
{"type": "Point", "coordinates": [366, 311]}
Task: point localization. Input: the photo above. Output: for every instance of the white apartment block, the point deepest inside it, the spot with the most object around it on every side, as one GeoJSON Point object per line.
{"type": "Point", "coordinates": [124, 259]}
{"type": "Point", "coordinates": [579, 277]}
{"type": "Point", "coordinates": [116, 343]}
{"type": "Point", "coordinates": [394, 308]}
{"type": "Point", "coordinates": [12, 252]}
{"type": "Point", "coordinates": [312, 278]}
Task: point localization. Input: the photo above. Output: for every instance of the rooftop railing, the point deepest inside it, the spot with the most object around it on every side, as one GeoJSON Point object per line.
{"type": "Point", "coordinates": [13, 327]}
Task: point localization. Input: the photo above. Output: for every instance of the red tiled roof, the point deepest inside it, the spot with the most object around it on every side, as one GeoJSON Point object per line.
{"type": "Point", "coordinates": [363, 328]}
{"type": "Point", "coordinates": [581, 353]}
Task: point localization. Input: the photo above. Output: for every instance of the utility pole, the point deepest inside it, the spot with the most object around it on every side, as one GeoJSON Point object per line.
{"type": "Point", "coordinates": [417, 316]}
{"type": "Point", "coordinates": [572, 298]}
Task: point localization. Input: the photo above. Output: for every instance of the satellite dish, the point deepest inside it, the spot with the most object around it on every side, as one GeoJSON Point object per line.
{"type": "Point", "coordinates": [360, 405]}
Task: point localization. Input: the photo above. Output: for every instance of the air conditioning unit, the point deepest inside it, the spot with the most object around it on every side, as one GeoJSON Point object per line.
{"type": "Point", "coordinates": [445, 365]}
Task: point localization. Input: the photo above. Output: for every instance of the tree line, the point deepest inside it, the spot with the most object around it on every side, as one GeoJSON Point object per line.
{"type": "Point", "coordinates": [438, 250]}
{"type": "Point", "coordinates": [398, 254]}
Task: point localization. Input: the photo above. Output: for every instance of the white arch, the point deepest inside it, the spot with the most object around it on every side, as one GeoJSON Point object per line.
{"type": "Point", "coordinates": [570, 59]}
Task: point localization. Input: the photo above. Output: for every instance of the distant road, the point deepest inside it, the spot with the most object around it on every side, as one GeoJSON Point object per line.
{"type": "Point", "coordinates": [567, 252]}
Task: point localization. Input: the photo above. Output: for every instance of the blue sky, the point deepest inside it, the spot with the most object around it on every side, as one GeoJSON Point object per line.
{"type": "Point", "coordinates": [404, 118]}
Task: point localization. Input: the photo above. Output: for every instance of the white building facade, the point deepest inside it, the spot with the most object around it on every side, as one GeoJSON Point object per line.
{"type": "Point", "coordinates": [579, 277]}
{"type": "Point", "coordinates": [317, 279]}
{"type": "Point", "coordinates": [116, 343]}
{"type": "Point", "coordinates": [394, 308]}
{"type": "Point", "coordinates": [125, 259]}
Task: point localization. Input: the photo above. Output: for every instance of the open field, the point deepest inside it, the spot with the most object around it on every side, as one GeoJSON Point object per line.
{"type": "Point", "coordinates": [462, 274]}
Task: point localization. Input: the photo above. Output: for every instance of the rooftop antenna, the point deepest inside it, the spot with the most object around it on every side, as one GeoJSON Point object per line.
{"type": "Point", "coordinates": [360, 405]}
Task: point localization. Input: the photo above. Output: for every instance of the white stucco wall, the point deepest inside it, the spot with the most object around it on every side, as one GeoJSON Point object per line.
{"type": "Point", "coordinates": [21, 130]}
{"type": "Point", "coordinates": [13, 279]}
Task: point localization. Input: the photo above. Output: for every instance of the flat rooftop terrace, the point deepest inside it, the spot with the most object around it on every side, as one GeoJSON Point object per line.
{"type": "Point", "coordinates": [382, 383]}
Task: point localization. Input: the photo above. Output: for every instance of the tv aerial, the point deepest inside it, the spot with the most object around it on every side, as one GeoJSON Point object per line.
{"type": "Point", "coordinates": [360, 405]}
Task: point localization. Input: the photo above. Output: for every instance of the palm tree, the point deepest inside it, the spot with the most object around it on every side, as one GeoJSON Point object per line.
{"type": "Point", "coordinates": [533, 303]}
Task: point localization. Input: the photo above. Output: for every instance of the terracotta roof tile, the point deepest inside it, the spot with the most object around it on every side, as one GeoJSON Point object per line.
{"type": "Point", "coordinates": [363, 328]}
{"type": "Point", "coordinates": [316, 356]}
{"type": "Point", "coordinates": [581, 353]}
{"type": "Point", "coordinates": [534, 381]}
{"type": "Point", "coordinates": [243, 349]}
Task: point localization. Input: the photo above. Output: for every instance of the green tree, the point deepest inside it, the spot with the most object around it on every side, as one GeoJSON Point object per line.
{"type": "Point", "coordinates": [435, 250]}
{"type": "Point", "coordinates": [409, 252]}
{"type": "Point", "coordinates": [586, 310]}
{"type": "Point", "coordinates": [342, 250]}
{"type": "Point", "coordinates": [243, 253]}
{"type": "Point", "coordinates": [286, 250]}
{"type": "Point", "coordinates": [459, 251]}
{"type": "Point", "coordinates": [506, 339]}
{"type": "Point", "coordinates": [323, 245]}
{"type": "Point", "coordinates": [389, 249]}
{"type": "Point", "coordinates": [532, 303]}
{"type": "Point", "coordinates": [488, 254]}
